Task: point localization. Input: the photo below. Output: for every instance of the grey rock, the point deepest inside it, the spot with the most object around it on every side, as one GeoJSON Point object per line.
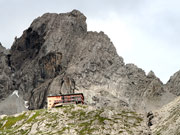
{"type": "Point", "coordinates": [6, 83]}
{"type": "Point", "coordinates": [57, 55]}
{"type": "Point", "coordinates": [75, 120]}
{"type": "Point", "coordinates": [2, 49]}
{"type": "Point", "coordinates": [34, 60]}
{"type": "Point", "coordinates": [173, 85]}
{"type": "Point", "coordinates": [12, 104]}
{"type": "Point", "coordinates": [38, 96]}
{"type": "Point", "coordinates": [166, 120]}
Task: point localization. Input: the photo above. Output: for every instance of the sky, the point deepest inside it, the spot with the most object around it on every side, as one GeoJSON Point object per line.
{"type": "Point", "coordinates": [144, 32]}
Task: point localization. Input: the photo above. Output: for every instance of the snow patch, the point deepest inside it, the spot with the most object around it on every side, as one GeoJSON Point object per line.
{"type": "Point", "coordinates": [26, 104]}
{"type": "Point", "coordinates": [15, 93]}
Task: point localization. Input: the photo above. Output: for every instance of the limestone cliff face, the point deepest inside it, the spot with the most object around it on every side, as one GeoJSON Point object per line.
{"type": "Point", "coordinates": [173, 85]}
{"type": "Point", "coordinates": [43, 53]}
{"type": "Point", "coordinates": [57, 55]}
{"type": "Point", "coordinates": [6, 83]}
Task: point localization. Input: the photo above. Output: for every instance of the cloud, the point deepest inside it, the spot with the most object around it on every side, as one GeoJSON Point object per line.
{"type": "Point", "coordinates": [115, 28]}
{"type": "Point", "coordinates": [145, 32]}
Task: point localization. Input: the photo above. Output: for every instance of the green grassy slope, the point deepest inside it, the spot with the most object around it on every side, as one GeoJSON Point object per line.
{"type": "Point", "coordinates": [73, 120]}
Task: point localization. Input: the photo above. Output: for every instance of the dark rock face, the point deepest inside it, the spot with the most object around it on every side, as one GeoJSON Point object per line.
{"type": "Point", "coordinates": [6, 84]}
{"type": "Point", "coordinates": [57, 55]}
{"type": "Point", "coordinates": [38, 96]}
{"type": "Point", "coordinates": [42, 54]}
{"type": "Point", "coordinates": [26, 48]}
{"type": "Point", "coordinates": [50, 65]}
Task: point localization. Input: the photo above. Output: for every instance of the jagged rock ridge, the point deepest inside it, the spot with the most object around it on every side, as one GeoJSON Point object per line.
{"type": "Point", "coordinates": [57, 55]}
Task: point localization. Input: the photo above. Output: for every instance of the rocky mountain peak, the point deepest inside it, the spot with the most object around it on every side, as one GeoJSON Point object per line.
{"type": "Point", "coordinates": [151, 74]}
{"type": "Point", "coordinates": [73, 21]}
{"type": "Point", "coordinates": [57, 55]}
{"type": "Point", "coordinates": [3, 49]}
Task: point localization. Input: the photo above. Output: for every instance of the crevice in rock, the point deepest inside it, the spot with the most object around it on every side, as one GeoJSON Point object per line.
{"type": "Point", "coordinates": [50, 65]}
{"type": "Point", "coordinates": [44, 100]}
{"type": "Point", "coordinates": [150, 116]}
{"type": "Point", "coordinates": [26, 48]}
{"type": "Point", "coordinates": [9, 63]}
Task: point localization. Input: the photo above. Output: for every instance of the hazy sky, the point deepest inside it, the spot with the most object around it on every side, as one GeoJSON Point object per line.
{"type": "Point", "coordinates": [144, 32]}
